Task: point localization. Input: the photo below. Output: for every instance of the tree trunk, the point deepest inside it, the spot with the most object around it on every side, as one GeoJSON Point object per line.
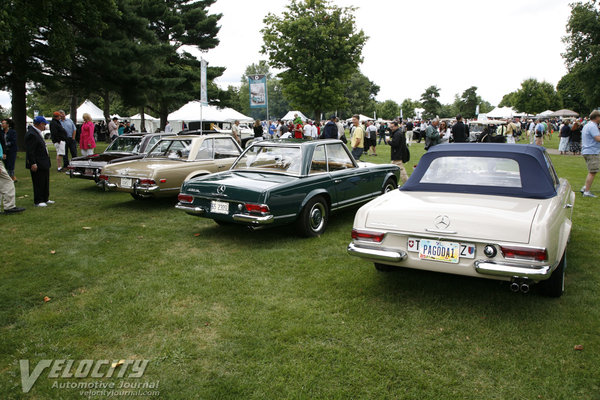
{"type": "Point", "coordinates": [106, 108]}
{"type": "Point", "coordinates": [163, 114]}
{"type": "Point", "coordinates": [143, 120]}
{"type": "Point", "coordinates": [74, 109]}
{"type": "Point", "coordinates": [19, 109]}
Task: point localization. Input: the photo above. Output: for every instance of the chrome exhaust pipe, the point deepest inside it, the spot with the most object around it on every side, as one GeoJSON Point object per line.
{"type": "Point", "coordinates": [524, 288]}
{"type": "Point", "coordinates": [514, 287]}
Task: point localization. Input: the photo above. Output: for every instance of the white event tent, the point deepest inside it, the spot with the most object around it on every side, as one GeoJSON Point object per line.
{"type": "Point", "coordinates": [88, 107]}
{"type": "Point", "coordinates": [291, 114]}
{"type": "Point", "coordinates": [191, 112]}
{"type": "Point", "coordinates": [362, 118]}
{"type": "Point", "coordinates": [151, 123]}
{"type": "Point", "coordinates": [502, 112]}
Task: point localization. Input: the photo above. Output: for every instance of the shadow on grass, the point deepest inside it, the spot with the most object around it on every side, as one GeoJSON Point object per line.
{"type": "Point", "coordinates": [126, 202]}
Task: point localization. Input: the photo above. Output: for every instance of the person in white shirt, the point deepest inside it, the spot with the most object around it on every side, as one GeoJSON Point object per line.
{"type": "Point", "coordinates": [168, 128]}
{"type": "Point", "coordinates": [308, 130]}
{"type": "Point", "coordinates": [314, 134]}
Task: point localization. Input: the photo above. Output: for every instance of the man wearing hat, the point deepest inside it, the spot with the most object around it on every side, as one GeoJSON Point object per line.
{"type": "Point", "coordinates": [37, 161]}
{"type": "Point", "coordinates": [330, 130]}
{"type": "Point", "coordinates": [58, 135]}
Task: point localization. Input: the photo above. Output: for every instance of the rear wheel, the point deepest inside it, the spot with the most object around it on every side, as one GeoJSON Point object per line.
{"type": "Point", "coordinates": [555, 285]}
{"type": "Point", "coordinates": [385, 268]}
{"type": "Point", "coordinates": [389, 185]}
{"type": "Point", "coordinates": [313, 218]}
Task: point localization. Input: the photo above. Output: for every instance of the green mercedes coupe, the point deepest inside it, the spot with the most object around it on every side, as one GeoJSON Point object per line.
{"type": "Point", "coordinates": [285, 181]}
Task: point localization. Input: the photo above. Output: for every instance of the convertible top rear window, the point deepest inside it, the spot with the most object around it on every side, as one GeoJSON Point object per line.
{"type": "Point", "coordinates": [478, 171]}
{"type": "Point", "coordinates": [484, 168]}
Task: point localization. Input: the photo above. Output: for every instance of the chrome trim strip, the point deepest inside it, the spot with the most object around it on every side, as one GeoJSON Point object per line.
{"type": "Point", "coordinates": [375, 254]}
{"type": "Point", "coordinates": [253, 219]}
{"type": "Point", "coordinates": [440, 231]}
{"type": "Point", "coordinates": [190, 209]}
{"type": "Point", "coordinates": [513, 269]}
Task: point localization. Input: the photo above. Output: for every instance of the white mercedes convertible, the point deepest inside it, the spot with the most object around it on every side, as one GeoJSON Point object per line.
{"type": "Point", "coordinates": [496, 211]}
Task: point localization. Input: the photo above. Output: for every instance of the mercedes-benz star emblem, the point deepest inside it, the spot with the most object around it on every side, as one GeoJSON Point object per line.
{"type": "Point", "coordinates": [441, 222]}
{"type": "Point", "coordinates": [221, 189]}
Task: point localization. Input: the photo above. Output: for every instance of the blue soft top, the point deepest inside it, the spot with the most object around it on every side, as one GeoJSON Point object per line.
{"type": "Point", "coordinates": [537, 183]}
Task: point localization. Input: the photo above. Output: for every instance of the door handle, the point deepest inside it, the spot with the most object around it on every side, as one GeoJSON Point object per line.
{"type": "Point", "coordinates": [337, 181]}
{"type": "Point", "coordinates": [568, 205]}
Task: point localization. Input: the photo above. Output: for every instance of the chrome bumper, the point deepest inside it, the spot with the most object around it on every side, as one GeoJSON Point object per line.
{"type": "Point", "coordinates": [190, 209]}
{"type": "Point", "coordinates": [537, 272]}
{"type": "Point", "coordinates": [376, 254]}
{"type": "Point", "coordinates": [253, 219]}
{"type": "Point", "coordinates": [134, 188]}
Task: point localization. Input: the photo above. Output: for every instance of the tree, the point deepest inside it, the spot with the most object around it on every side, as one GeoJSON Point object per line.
{"type": "Point", "coordinates": [389, 109]}
{"type": "Point", "coordinates": [360, 94]}
{"type": "Point", "coordinates": [430, 102]}
{"type": "Point", "coordinates": [318, 48]}
{"type": "Point", "coordinates": [534, 97]}
{"type": "Point", "coordinates": [571, 90]}
{"type": "Point", "coordinates": [508, 100]}
{"type": "Point", "coordinates": [408, 108]}
{"type": "Point", "coordinates": [38, 43]}
{"type": "Point", "coordinates": [582, 56]}
{"type": "Point", "coordinates": [177, 79]}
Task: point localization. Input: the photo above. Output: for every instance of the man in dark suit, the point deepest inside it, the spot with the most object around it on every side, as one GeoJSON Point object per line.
{"type": "Point", "coordinates": [459, 130]}
{"type": "Point", "coordinates": [38, 161]}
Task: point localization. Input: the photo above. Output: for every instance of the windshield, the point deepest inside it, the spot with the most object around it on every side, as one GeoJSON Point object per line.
{"type": "Point", "coordinates": [125, 144]}
{"type": "Point", "coordinates": [172, 149]}
{"type": "Point", "coordinates": [479, 171]}
{"type": "Point", "coordinates": [271, 158]}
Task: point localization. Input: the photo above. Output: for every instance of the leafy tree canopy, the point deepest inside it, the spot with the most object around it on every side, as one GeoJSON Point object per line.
{"type": "Point", "coordinates": [318, 48]}
{"type": "Point", "coordinates": [534, 97]}
{"type": "Point", "coordinates": [430, 102]}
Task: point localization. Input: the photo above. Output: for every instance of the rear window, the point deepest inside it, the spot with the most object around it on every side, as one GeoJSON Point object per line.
{"type": "Point", "coordinates": [475, 171]}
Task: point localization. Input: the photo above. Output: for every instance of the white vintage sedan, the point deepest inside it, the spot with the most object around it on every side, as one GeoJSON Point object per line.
{"type": "Point", "coordinates": [496, 211]}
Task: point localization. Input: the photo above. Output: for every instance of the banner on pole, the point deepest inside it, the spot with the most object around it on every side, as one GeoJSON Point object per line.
{"type": "Point", "coordinates": [203, 91]}
{"type": "Point", "coordinates": [258, 91]}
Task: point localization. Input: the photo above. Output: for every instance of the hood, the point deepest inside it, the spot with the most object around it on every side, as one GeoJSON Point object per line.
{"type": "Point", "coordinates": [237, 185]}
{"type": "Point", "coordinates": [477, 217]}
{"type": "Point", "coordinates": [97, 158]}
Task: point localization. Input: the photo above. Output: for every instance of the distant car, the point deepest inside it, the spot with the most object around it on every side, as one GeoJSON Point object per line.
{"type": "Point", "coordinates": [284, 181]}
{"type": "Point", "coordinates": [496, 211]}
{"type": "Point", "coordinates": [169, 163]}
{"type": "Point", "coordinates": [132, 145]}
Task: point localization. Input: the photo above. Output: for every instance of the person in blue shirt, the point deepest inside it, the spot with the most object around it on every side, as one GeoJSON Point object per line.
{"type": "Point", "coordinates": [71, 144]}
{"type": "Point", "coordinates": [590, 149]}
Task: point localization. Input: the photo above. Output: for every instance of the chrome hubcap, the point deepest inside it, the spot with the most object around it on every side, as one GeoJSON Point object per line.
{"type": "Point", "coordinates": [317, 220]}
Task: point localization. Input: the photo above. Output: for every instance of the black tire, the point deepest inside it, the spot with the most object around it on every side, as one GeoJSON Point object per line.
{"type": "Point", "coordinates": [385, 268]}
{"type": "Point", "coordinates": [389, 185]}
{"type": "Point", "coordinates": [313, 218]}
{"type": "Point", "coordinates": [555, 285]}
{"type": "Point", "coordinates": [139, 196]}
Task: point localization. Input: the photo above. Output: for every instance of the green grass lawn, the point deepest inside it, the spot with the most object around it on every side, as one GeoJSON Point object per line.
{"type": "Point", "coordinates": [229, 313]}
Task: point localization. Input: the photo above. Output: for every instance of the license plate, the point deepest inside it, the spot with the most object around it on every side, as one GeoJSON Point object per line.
{"type": "Point", "coordinates": [88, 172]}
{"type": "Point", "coordinates": [465, 250]}
{"type": "Point", "coordinates": [126, 183]}
{"type": "Point", "coordinates": [219, 207]}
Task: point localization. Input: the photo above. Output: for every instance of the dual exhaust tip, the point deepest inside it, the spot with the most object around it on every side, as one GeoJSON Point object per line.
{"type": "Point", "coordinates": [520, 286]}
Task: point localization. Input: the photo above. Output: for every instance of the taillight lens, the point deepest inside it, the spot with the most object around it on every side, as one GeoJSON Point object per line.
{"type": "Point", "coordinates": [70, 167]}
{"type": "Point", "coordinates": [257, 208]}
{"type": "Point", "coordinates": [185, 198]}
{"type": "Point", "coordinates": [524, 253]}
{"type": "Point", "coordinates": [147, 182]}
{"type": "Point", "coordinates": [103, 177]}
{"type": "Point", "coordinates": [368, 236]}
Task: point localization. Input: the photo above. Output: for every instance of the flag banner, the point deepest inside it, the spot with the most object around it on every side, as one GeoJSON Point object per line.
{"type": "Point", "coordinates": [258, 91]}
{"type": "Point", "coordinates": [203, 91]}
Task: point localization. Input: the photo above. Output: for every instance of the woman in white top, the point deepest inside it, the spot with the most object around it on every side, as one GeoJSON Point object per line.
{"type": "Point", "coordinates": [445, 132]}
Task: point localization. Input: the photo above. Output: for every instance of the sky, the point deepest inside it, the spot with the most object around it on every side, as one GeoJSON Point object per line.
{"type": "Point", "coordinates": [494, 45]}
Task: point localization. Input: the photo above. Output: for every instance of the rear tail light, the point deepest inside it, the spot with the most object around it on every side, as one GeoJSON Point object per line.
{"type": "Point", "coordinates": [185, 198]}
{"type": "Point", "coordinates": [147, 182]}
{"type": "Point", "coordinates": [368, 236]}
{"type": "Point", "coordinates": [257, 208]}
{"type": "Point", "coordinates": [524, 253]}
{"type": "Point", "coordinates": [71, 167]}
{"type": "Point", "coordinates": [103, 177]}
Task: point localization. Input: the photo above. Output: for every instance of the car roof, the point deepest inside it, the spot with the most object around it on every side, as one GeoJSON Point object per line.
{"type": "Point", "coordinates": [536, 179]}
